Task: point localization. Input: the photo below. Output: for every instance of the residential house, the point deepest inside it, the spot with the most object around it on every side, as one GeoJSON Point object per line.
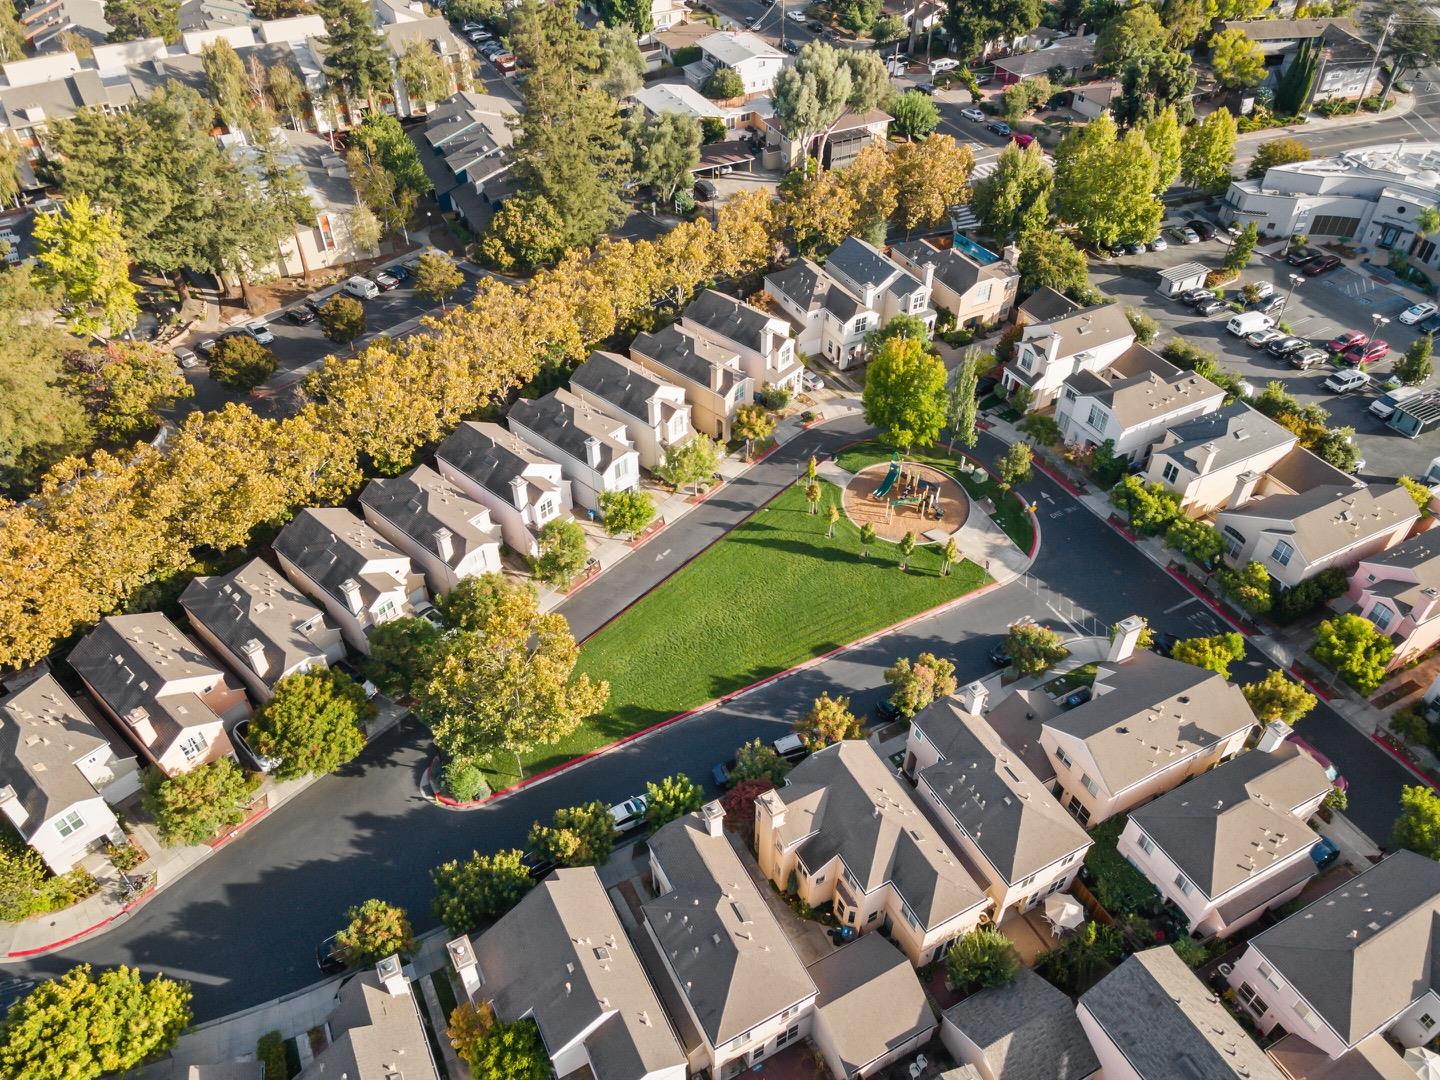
{"type": "Point", "coordinates": [350, 570]}
{"type": "Point", "coordinates": [1356, 963]}
{"type": "Point", "coordinates": [844, 830]}
{"type": "Point", "coordinates": [1150, 724]}
{"type": "Point", "coordinates": [1217, 459]}
{"type": "Point", "coordinates": [657, 99]}
{"type": "Point", "coordinates": [838, 147]}
{"type": "Point", "coordinates": [1399, 591]}
{"type": "Point", "coordinates": [738, 983]}
{"type": "Point", "coordinates": [1092, 99]}
{"type": "Point", "coordinates": [750, 56]}
{"type": "Point", "coordinates": [715, 384]}
{"type": "Point", "coordinates": [523, 490]}
{"type": "Point", "coordinates": [1372, 1059]}
{"type": "Point", "coordinates": [1014, 838]}
{"type": "Point", "coordinates": [375, 1031]}
{"type": "Point", "coordinates": [1131, 403]}
{"type": "Point", "coordinates": [761, 341]}
{"type": "Point", "coordinates": [1152, 1019]}
{"type": "Point", "coordinates": [1052, 350]}
{"type": "Point", "coordinates": [1024, 1030]}
{"type": "Point", "coordinates": [448, 534]}
{"type": "Point", "coordinates": [871, 1010]}
{"type": "Point", "coordinates": [1072, 57]}
{"type": "Point", "coordinates": [857, 290]}
{"type": "Point", "coordinates": [921, 17]}
{"type": "Point", "coordinates": [1232, 843]}
{"type": "Point", "coordinates": [428, 32]}
{"type": "Point", "coordinates": [462, 147]}
{"type": "Point", "coordinates": [1297, 536]}
{"type": "Point", "coordinates": [43, 21]}
{"type": "Point", "coordinates": [1345, 66]}
{"type": "Point", "coordinates": [167, 697]}
{"type": "Point", "coordinates": [561, 958]}
{"type": "Point", "coordinates": [974, 285]}
{"type": "Point", "coordinates": [59, 774]}
{"type": "Point", "coordinates": [592, 449]}
{"type": "Point", "coordinates": [213, 14]}
{"type": "Point", "coordinates": [260, 625]}
{"type": "Point", "coordinates": [655, 413]}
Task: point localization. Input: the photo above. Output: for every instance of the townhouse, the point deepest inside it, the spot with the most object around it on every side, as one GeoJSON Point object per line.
{"type": "Point", "coordinates": [523, 490]}
{"type": "Point", "coordinates": [761, 342]}
{"type": "Point", "coordinates": [350, 570]}
{"type": "Point", "coordinates": [375, 1031]}
{"type": "Point", "coordinates": [1216, 460]}
{"type": "Point", "coordinates": [715, 384]}
{"type": "Point", "coordinates": [844, 831]}
{"type": "Point", "coordinates": [1233, 843]}
{"type": "Point", "coordinates": [59, 774]}
{"type": "Point", "coordinates": [561, 958]}
{"type": "Point", "coordinates": [857, 290]}
{"type": "Point", "coordinates": [750, 56]}
{"type": "Point", "coordinates": [168, 698]}
{"type": "Point", "coordinates": [1131, 403]}
{"type": "Point", "coordinates": [1053, 349]}
{"type": "Point", "coordinates": [655, 413]}
{"type": "Point", "coordinates": [260, 625]}
{"type": "Point", "coordinates": [1014, 838]}
{"type": "Point", "coordinates": [1152, 1019]}
{"type": "Point", "coordinates": [1151, 724]}
{"type": "Point", "coordinates": [1024, 1030]}
{"type": "Point", "coordinates": [732, 969]}
{"type": "Point", "coordinates": [973, 284]}
{"type": "Point", "coordinates": [1297, 536]}
{"type": "Point", "coordinates": [1399, 591]}
{"type": "Point", "coordinates": [1353, 969]}
{"type": "Point", "coordinates": [463, 146]}
{"type": "Point", "coordinates": [593, 450]}
{"type": "Point", "coordinates": [838, 147]}
{"type": "Point", "coordinates": [448, 534]}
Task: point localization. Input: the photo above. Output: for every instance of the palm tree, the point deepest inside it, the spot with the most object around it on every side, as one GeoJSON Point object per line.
{"type": "Point", "coordinates": [832, 516]}
{"type": "Point", "coordinates": [867, 537]}
{"type": "Point", "coordinates": [907, 548]}
{"type": "Point", "coordinates": [951, 554]}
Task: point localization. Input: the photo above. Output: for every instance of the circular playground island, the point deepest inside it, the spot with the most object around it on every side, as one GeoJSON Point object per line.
{"type": "Point", "coordinates": [900, 497]}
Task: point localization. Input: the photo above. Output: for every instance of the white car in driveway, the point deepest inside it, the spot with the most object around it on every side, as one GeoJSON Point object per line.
{"type": "Point", "coordinates": [1344, 382]}
{"type": "Point", "coordinates": [972, 113]}
{"type": "Point", "coordinates": [945, 63]}
{"type": "Point", "coordinates": [1423, 310]}
{"type": "Point", "coordinates": [361, 288]}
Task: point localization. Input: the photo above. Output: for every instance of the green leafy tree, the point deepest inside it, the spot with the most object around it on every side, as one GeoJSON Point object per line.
{"type": "Point", "coordinates": [1242, 247]}
{"type": "Point", "coordinates": [1080, 961]}
{"type": "Point", "coordinates": [915, 684]}
{"type": "Point", "coordinates": [1150, 507]}
{"type": "Point", "coordinates": [673, 797]}
{"type": "Point", "coordinates": [1105, 184]}
{"type": "Point", "coordinates": [867, 537]}
{"type": "Point", "coordinates": [226, 85]}
{"type": "Point", "coordinates": [887, 28]}
{"type": "Point", "coordinates": [1153, 82]}
{"type": "Point", "coordinates": [402, 652]}
{"type": "Point", "coordinates": [970, 27]}
{"type": "Point", "coordinates": [1276, 697]}
{"type": "Point", "coordinates": [563, 552]}
{"type": "Point", "coordinates": [1049, 260]}
{"type": "Point", "coordinates": [576, 835]}
{"type": "Point", "coordinates": [424, 73]}
{"type": "Point", "coordinates": [1417, 828]}
{"type": "Point", "coordinates": [1033, 648]}
{"type": "Point", "coordinates": [907, 548]}
{"type": "Point", "coordinates": [131, 386]}
{"type": "Point", "coordinates": [963, 405]}
{"type": "Point", "coordinates": [1206, 151]}
{"type": "Point", "coordinates": [240, 362]}
{"type": "Point", "coordinates": [1162, 135]}
{"type": "Point", "coordinates": [753, 424]}
{"type": "Point", "coordinates": [983, 959]}
{"type": "Point", "coordinates": [201, 804]}
{"type": "Point", "coordinates": [1137, 31]}
{"type": "Point", "coordinates": [723, 85]}
{"type": "Point", "coordinates": [527, 231]}
{"type": "Point", "coordinates": [1236, 60]}
{"type": "Point", "coordinates": [904, 395]}
{"type": "Point", "coordinates": [482, 887]}
{"type": "Point", "coordinates": [1275, 152]}
{"type": "Point", "coordinates": [1014, 465]}
{"type": "Point", "coordinates": [1212, 653]}
{"type": "Point", "coordinates": [437, 278]}
{"type": "Point", "coordinates": [135, 19]}
{"type": "Point", "coordinates": [666, 150]}
{"type": "Point", "coordinates": [913, 114]}
{"type": "Point", "coordinates": [1197, 540]}
{"type": "Point", "coordinates": [80, 1025]}
{"type": "Point", "coordinates": [757, 761]}
{"type": "Point", "coordinates": [693, 463]}
{"type": "Point", "coordinates": [1020, 98]}
{"type": "Point", "coordinates": [1351, 647]}
{"type": "Point", "coordinates": [1249, 586]}
{"type": "Point", "coordinates": [386, 143]}
{"type": "Point", "coordinates": [712, 130]}
{"type": "Point", "coordinates": [634, 14]}
{"type": "Point", "coordinates": [1292, 92]}
{"type": "Point", "coordinates": [356, 57]}
{"type": "Point", "coordinates": [1337, 447]}
{"type": "Point", "coordinates": [857, 15]}
{"type": "Point", "coordinates": [498, 1051]}
{"type": "Point", "coordinates": [626, 513]}
{"type": "Point", "coordinates": [464, 781]}
{"type": "Point", "coordinates": [81, 253]}
{"type": "Point", "coordinates": [903, 325]}
{"type": "Point", "coordinates": [1144, 326]}
{"type": "Point", "coordinates": [828, 720]}
{"type": "Point", "coordinates": [314, 724]}
{"type": "Point", "coordinates": [1014, 200]}
{"type": "Point", "coordinates": [1416, 366]}
{"type": "Point", "coordinates": [28, 888]}
{"type": "Point", "coordinates": [342, 318]}
{"type": "Point", "coordinates": [373, 931]}
{"type": "Point", "coordinates": [812, 93]}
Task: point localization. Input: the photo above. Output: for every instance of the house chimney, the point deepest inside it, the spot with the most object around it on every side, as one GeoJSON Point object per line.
{"type": "Point", "coordinates": [139, 720]}
{"type": "Point", "coordinates": [392, 978]}
{"type": "Point", "coordinates": [973, 697]}
{"type": "Point", "coordinates": [255, 655]}
{"type": "Point", "coordinates": [462, 959]}
{"type": "Point", "coordinates": [350, 589]}
{"type": "Point", "coordinates": [716, 372]}
{"type": "Point", "coordinates": [444, 544]}
{"type": "Point", "coordinates": [652, 410]}
{"type": "Point", "coordinates": [713, 814]}
{"type": "Point", "coordinates": [774, 808]}
{"type": "Point", "coordinates": [13, 808]}
{"type": "Point", "coordinates": [1124, 636]}
{"type": "Point", "coordinates": [1205, 457]}
{"type": "Point", "coordinates": [1010, 256]}
{"type": "Point", "coordinates": [592, 452]}
{"type": "Point", "coordinates": [1273, 737]}
{"type": "Point", "coordinates": [927, 274]}
{"type": "Point", "coordinates": [518, 492]}
{"type": "Point", "coordinates": [1244, 489]}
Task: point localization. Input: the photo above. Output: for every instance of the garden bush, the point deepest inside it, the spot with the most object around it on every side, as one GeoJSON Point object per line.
{"type": "Point", "coordinates": [1120, 888]}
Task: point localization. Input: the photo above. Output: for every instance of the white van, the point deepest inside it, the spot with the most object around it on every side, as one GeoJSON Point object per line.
{"type": "Point", "coordinates": [1385, 405]}
{"type": "Point", "coordinates": [1247, 322]}
{"type": "Point", "coordinates": [361, 288]}
{"type": "Point", "coordinates": [945, 63]}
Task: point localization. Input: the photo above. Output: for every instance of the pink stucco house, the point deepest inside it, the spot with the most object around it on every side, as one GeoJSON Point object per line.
{"type": "Point", "coordinates": [1399, 591]}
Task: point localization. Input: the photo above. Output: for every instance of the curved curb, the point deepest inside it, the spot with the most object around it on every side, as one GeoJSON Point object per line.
{"type": "Point", "coordinates": [431, 792]}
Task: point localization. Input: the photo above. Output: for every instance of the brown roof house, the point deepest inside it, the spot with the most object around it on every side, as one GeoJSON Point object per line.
{"type": "Point", "coordinates": [375, 1031]}
{"type": "Point", "coordinates": [871, 1011]}
{"type": "Point", "coordinates": [1024, 1030]}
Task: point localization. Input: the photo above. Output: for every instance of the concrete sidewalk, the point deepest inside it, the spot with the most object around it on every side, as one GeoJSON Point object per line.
{"type": "Point", "coordinates": [1404, 103]}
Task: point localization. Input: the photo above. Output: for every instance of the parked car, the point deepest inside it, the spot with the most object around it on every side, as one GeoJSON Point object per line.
{"type": "Point", "coordinates": [1285, 346]}
{"type": "Point", "coordinates": [720, 773]}
{"type": "Point", "coordinates": [1185, 235]}
{"type": "Point", "coordinates": [241, 734]}
{"type": "Point", "coordinates": [1248, 322]}
{"type": "Point", "coordinates": [537, 864]}
{"type": "Point", "coordinates": [887, 712]}
{"type": "Point", "coordinates": [355, 675]}
{"type": "Point", "coordinates": [926, 88]}
{"type": "Point", "coordinates": [1323, 265]}
{"type": "Point", "coordinates": [1306, 358]}
{"type": "Point", "coordinates": [327, 956]}
{"type": "Point", "coordinates": [1385, 405]}
{"type": "Point", "coordinates": [630, 814]}
{"type": "Point", "coordinates": [974, 114]}
{"type": "Point", "coordinates": [315, 303]}
{"type": "Point", "coordinates": [791, 46]}
{"type": "Point", "coordinates": [506, 62]}
{"type": "Point", "coordinates": [705, 190]}
{"type": "Point", "coordinates": [361, 288]}
{"type": "Point", "coordinates": [1344, 382]}
{"type": "Point", "coordinates": [1258, 339]}
{"type": "Point", "coordinates": [301, 314]}
{"type": "Point", "coordinates": [1134, 249]}
{"type": "Point", "coordinates": [1079, 696]}
{"type": "Point", "coordinates": [1163, 643]}
{"type": "Point", "coordinates": [1158, 244]}
{"type": "Point", "coordinates": [384, 279]}
{"type": "Point", "coordinates": [1196, 296]}
{"type": "Point", "coordinates": [1367, 353]}
{"type": "Point", "coordinates": [1271, 305]}
{"type": "Point", "coordinates": [186, 358]}
{"type": "Point", "coordinates": [1430, 325]}
{"type": "Point", "coordinates": [260, 332]}
{"type": "Point", "coordinates": [1302, 254]}
{"type": "Point", "coordinates": [796, 17]}
{"type": "Point", "coordinates": [999, 127]}
{"type": "Point", "coordinates": [1020, 139]}
{"type": "Point", "coordinates": [815, 26]}
{"type": "Point", "coordinates": [206, 347]}
{"type": "Point", "coordinates": [1324, 852]}
{"type": "Point", "coordinates": [1201, 228]}
{"type": "Point", "coordinates": [944, 64]}
{"type": "Point", "coordinates": [790, 748]}
{"type": "Point", "coordinates": [811, 381]}
{"type": "Point", "coordinates": [1341, 342]}
{"type": "Point", "coordinates": [399, 271]}
{"type": "Point", "coordinates": [1209, 307]}
{"type": "Point", "coordinates": [1415, 312]}
{"type": "Point", "coordinates": [1000, 655]}
{"type": "Point", "coordinates": [1262, 289]}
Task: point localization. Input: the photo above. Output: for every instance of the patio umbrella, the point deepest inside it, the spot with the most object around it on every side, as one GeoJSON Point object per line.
{"type": "Point", "coordinates": [1425, 1063]}
{"type": "Point", "coordinates": [1064, 911]}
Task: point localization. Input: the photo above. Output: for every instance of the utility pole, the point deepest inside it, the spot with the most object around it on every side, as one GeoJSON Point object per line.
{"type": "Point", "coordinates": [1375, 63]}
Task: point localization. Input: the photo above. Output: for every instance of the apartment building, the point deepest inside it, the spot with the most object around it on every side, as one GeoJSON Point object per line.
{"type": "Point", "coordinates": [592, 449]}
{"type": "Point", "coordinates": [523, 489]}
{"type": "Point", "coordinates": [655, 413]}
{"type": "Point", "coordinates": [761, 342]}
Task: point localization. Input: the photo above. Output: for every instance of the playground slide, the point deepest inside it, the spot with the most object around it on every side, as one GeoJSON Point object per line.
{"type": "Point", "coordinates": [889, 481]}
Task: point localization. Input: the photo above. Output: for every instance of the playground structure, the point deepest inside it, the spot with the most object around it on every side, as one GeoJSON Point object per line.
{"type": "Point", "coordinates": [909, 497]}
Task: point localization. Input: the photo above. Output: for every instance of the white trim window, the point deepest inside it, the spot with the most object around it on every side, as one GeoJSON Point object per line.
{"type": "Point", "coordinates": [70, 823]}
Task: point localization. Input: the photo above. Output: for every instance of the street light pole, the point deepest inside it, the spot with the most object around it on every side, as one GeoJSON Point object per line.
{"type": "Point", "coordinates": [1295, 279]}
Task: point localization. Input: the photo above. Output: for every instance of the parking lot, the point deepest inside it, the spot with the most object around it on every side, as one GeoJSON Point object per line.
{"type": "Point", "coordinates": [1318, 309]}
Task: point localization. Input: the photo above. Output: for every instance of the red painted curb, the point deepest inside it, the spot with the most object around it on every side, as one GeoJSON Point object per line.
{"type": "Point", "coordinates": [1313, 688]}
{"type": "Point", "coordinates": [1053, 475]}
{"type": "Point", "coordinates": [39, 949]}
{"type": "Point", "coordinates": [1208, 601]}
{"type": "Point", "coordinates": [219, 842]}
{"type": "Point", "coordinates": [1410, 768]}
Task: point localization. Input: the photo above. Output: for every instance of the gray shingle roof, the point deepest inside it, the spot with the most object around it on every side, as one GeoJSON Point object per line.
{"type": "Point", "coordinates": [732, 961]}
{"type": "Point", "coordinates": [870, 1001]}
{"type": "Point", "coordinates": [1026, 1030]}
{"type": "Point", "coordinates": [1085, 329]}
{"type": "Point", "coordinates": [567, 423]}
{"type": "Point", "coordinates": [1236, 431]}
{"type": "Point", "coordinates": [953, 268]}
{"type": "Point", "coordinates": [43, 733]}
{"type": "Point", "coordinates": [561, 957]}
{"type": "Point", "coordinates": [1070, 53]}
{"type": "Point", "coordinates": [1170, 1026]}
{"type": "Point", "coordinates": [729, 318]}
{"type": "Point", "coordinates": [331, 546]}
{"type": "Point", "coordinates": [421, 502]}
{"type": "Point", "coordinates": [490, 455]}
{"type": "Point", "coordinates": [1140, 387]}
{"type": "Point", "coordinates": [622, 383]}
{"type": "Point", "coordinates": [1331, 517]}
{"type": "Point", "coordinates": [691, 357]}
{"type": "Point", "coordinates": [1367, 950]}
{"type": "Point", "coordinates": [862, 264]}
{"type": "Point", "coordinates": [1014, 821]}
{"type": "Point", "coordinates": [377, 1035]}
{"type": "Point", "coordinates": [803, 282]}
{"type": "Point", "coordinates": [1421, 556]}
{"type": "Point", "coordinates": [1045, 305]}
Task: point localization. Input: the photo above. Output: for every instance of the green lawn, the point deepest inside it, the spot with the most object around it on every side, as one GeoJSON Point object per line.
{"type": "Point", "coordinates": [1010, 515]}
{"type": "Point", "coordinates": [772, 593]}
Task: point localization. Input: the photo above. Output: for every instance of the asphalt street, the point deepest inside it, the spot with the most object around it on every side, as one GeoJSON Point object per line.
{"type": "Point", "coordinates": [242, 927]}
